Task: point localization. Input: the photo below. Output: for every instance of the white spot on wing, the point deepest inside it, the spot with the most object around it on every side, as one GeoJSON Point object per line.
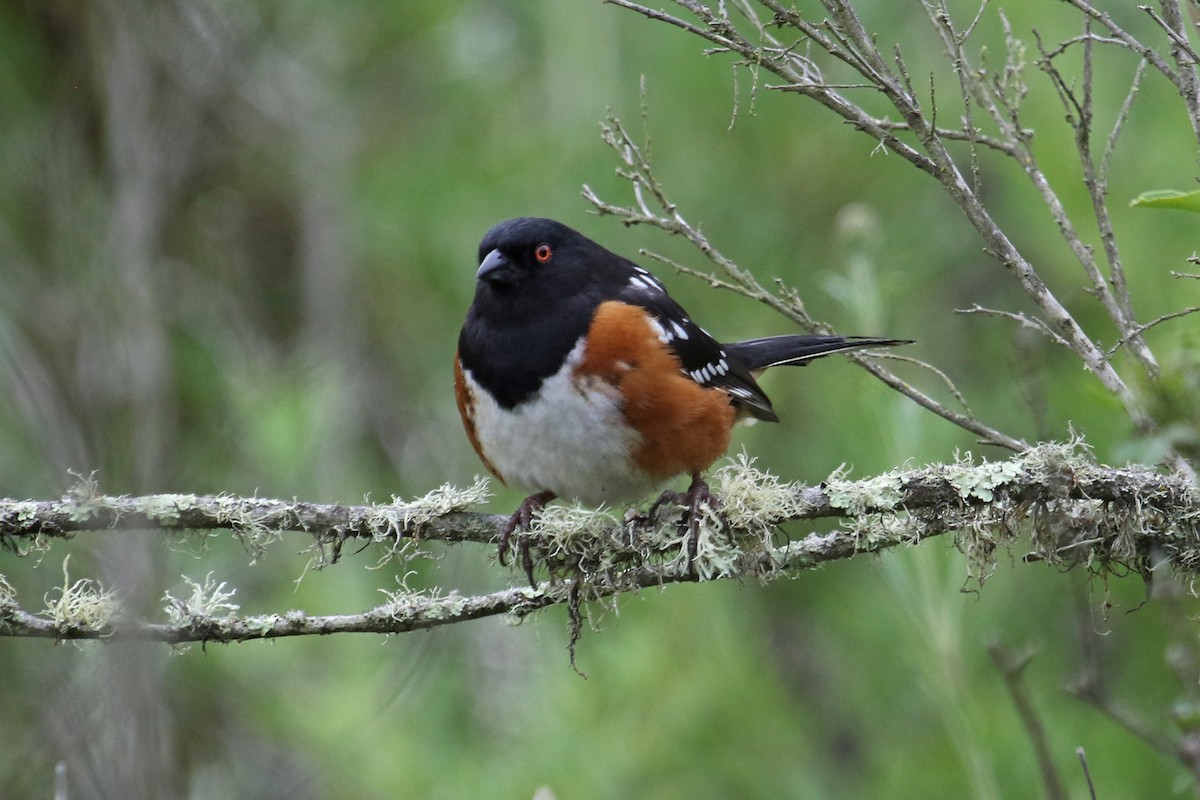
{"type": "Point", "coordinates": [665, 336]}
{"type": "Point", "coordinates": [641, 279]}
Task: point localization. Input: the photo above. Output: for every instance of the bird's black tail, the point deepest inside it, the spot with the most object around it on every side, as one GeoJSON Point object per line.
{"type": "Point", "coordinates": [798, 349]}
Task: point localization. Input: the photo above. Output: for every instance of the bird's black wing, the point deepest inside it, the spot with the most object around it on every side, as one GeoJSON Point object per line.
{"type": "Point", "coordinates": [702, 357]}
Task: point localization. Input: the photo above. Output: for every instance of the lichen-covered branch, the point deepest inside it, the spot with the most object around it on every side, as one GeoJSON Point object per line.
{"type": "Point", "coordinates": [257, 522]}
{"type": "Point", "coordinates": [1073, 511]}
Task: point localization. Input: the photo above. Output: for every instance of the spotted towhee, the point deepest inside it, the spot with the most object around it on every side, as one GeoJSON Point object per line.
{"type": "Point", "coordinates": [578, 376]}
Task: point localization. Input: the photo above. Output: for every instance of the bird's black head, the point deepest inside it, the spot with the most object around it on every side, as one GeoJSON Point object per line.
{"type": "Point", "coordinates": [531, 268]}
{"type": "Point", "coordinates": [518, 254]}
{"type": "Point", "coordinates": [538, 285]}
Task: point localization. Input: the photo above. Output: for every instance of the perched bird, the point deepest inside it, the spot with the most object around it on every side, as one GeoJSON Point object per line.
{"type": "Point", "coordinates": [577, 375]}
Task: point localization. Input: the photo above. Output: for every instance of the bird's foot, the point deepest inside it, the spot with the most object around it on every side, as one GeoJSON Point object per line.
{"type": "Point", "coordinates": [693, 501]}
{"type": "Point", "coordinates": [518, 524]}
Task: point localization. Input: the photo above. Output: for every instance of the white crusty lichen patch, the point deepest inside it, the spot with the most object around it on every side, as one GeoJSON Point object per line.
{"type": "Point", "coordinates": [8, 595]}
{"type": "Point", "coordinates": [881, 493]}
{"type": "Point", "coordinates": [391, 520]}
{"type": "Point", "coordinates": [81, 604]}
{"type": "Point", "coordinates": [207, 601]}
{"type": "Point", "coordinates": [415, 605]}
{"type": "Point", "coordinates": [166, 509]}
{"type": "Point", "coordinates": [754, 500]}
{"type": "Point", "coordinates": [253, 524]}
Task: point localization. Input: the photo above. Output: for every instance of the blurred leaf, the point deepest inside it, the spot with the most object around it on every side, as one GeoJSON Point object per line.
{"type": "Point", "coordinates": [1169, 198]}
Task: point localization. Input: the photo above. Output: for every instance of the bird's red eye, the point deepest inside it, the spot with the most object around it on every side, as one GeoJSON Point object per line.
{"type": "Point", "coordinates": [543, 253]}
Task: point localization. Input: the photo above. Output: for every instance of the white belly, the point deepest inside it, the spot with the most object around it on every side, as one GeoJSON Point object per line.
{"type": "Point", "coordinates": [570, 439]}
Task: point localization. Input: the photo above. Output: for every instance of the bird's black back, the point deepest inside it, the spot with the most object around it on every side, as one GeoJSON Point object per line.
{"type": "Point", "coordinates": [527, 318]}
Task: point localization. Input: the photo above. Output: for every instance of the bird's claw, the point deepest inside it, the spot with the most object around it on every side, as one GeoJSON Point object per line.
{"type": "Point", "coordinates": [519, 524]}
{"type": "Point", "coordinates": [693, 500]}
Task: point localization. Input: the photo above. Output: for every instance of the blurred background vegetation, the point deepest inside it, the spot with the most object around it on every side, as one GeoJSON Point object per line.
{"type": "Point", "coordinates": [237, 241]}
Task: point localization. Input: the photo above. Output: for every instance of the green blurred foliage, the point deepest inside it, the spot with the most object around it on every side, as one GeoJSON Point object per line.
{"type": "Point", "coordinates": [238, 240]}
{"type": "Point", "coordinates": [1169, 198]}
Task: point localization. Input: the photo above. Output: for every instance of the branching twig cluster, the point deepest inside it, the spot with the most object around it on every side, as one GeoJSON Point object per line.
{"type": "Point", "coordinates": [654, 208]}
{"type": "Point", "coordinates": [800, 48]}
{"type": "Point", "coordinates": [791, 45]}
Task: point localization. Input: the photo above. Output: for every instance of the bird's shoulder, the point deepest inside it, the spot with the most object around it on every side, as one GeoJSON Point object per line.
{"type": "Point", "coordinates": [700, 355]}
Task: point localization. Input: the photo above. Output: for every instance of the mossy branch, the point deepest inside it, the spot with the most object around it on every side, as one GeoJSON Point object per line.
{"type": "Point", "coordinates": [1076, 513]}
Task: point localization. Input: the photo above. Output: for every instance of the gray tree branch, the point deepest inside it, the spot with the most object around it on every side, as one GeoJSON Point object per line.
{"type": "Point", "coordinates": [1070, 511]}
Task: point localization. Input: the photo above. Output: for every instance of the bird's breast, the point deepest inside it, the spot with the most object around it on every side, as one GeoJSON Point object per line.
{"type": "Point", "coordinates": [569, 437]}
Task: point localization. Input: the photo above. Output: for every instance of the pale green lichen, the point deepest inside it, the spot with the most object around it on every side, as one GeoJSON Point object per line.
{"type": "Point", "coordinates": [881, 493]}
{"type": "Point", "coordinates": [569, 530]}
{"type": "Point", "coordinates": [208, 601]}
{"type": "Point", "coordinates": [262, 625]}
{"type": "Point", "coordinates": [1064, 530]}
{"type": "Point", "coordinates": [24, 546]}
{"type": "Point", "coordinates": [82, 604]}
{"type": "Point", "coordinates": [875, 531]}
{"type": "Point", "coordinates": [165, 509]}
{"type": "Point", "coordinates": [84, 500]}
{"type": "Point", "coordinates": [26, 510]}
{"type": "Point", "coordinates": [717, 553]}
{"type": "Point", "coordinates": [980, 481]}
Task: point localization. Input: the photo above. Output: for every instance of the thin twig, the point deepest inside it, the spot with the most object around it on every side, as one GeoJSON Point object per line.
{"type": "Point", "coordinates": [1012, 667]}
{"type": "Point", "coordinates": [1001, 99]}
{"type": "Point", "coordinates": [1140, 329]}
{"type": "Point", "coordinates": [1086, 690]}
{"type": "Point", "coordinates": [1034, 324]}
{"type": "Point", "coordinates": [1173, 30]}
{"type": "Point", "coordinates": [1087, 773]}
{"type": "Point", "coordinates": [1186, 58]}
{"type": "Point", "coordinates": [1183, 76]}
{"type": "Point", "coordinates": [946, 380]}
{"type": "Point", "coordinates": [1116, 300]}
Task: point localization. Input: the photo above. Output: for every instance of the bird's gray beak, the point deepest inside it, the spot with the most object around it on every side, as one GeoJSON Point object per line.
{"type": "Point", "coordinates": [496, 268]}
